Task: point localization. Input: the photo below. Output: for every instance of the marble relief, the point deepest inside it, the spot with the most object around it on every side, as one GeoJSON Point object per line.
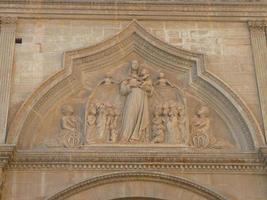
{"type": "Point", "coordinates": [138, 109]}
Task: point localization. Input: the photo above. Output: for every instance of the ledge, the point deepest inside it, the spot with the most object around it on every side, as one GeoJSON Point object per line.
{"type": "Point", "coordinates": [239, 10]}
{"type": "Point", "coordinates": [133, 158]}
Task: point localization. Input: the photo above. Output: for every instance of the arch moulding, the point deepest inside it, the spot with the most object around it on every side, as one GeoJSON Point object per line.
{"type": "Point", "coordinates": [93, 187]}
{"type": "Point", "coordinates": [135, 41]}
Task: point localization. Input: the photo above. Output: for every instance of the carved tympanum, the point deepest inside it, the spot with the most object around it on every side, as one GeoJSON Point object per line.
{"type": "Point", "coordinates": [128, 116]}
{"type": "Point", "coordinates": [137, 109]}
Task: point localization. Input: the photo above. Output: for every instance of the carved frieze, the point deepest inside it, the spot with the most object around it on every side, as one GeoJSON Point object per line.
{"type": "Point", "coordinates": [141, 106]}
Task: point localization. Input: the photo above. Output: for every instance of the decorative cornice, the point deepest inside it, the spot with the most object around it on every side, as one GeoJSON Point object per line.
{"type": "Point", "coordinates": [241, 10]}
{"type": "Point", "coordinates": [8, 24]}
{"type": "Point", "coordinates": [8, 20]}
{"type": "Point", "coordinates": [132, 159]}
{"type": "Point", "coordinates": [106, 2]}
{"type": "Point", "coordinates": [225, 2]}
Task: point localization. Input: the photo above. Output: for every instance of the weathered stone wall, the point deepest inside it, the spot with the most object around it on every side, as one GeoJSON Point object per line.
{"type": "Point", "coordinates": [224, 40]}
{"type": "Point", "coordinates": [33, 185]}
{"type": "Point", "coordinates": [226, 46]}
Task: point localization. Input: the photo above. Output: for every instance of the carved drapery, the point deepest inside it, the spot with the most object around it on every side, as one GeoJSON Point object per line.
{"type": "Point", "coordinates": [7, 43]}
{"type": "Point", "coordinates": [259, 49]}
{"type": "Point", "coordinates": [93, 62]}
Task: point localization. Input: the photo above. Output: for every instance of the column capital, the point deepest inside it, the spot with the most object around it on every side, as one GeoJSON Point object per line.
{"type": "Point", "coordinates": [8, 23]}
{"type": "Point", "coordinates": [8, 20]}
{"type": "Point", "coordinates": [257, 25]}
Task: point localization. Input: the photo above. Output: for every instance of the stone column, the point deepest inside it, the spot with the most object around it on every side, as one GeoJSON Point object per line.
{"type": "Point", "coordinates": [7, 44]}
{"type": "Point", "coordinates": [259, 49]}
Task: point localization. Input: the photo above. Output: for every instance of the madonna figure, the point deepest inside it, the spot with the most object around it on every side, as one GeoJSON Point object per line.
{"type": "Point", "coordinates": [136, 88]}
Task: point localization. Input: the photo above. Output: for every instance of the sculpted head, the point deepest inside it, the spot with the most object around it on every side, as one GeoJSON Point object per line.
{"type": "Point", "coordinates": [134, 64]}
{"type": "Point", "coordinates": [145, 73]}
{"type": "Point", "coordinates": [108, 79]}
{"type": "Point", "coordinates": [203, 111]}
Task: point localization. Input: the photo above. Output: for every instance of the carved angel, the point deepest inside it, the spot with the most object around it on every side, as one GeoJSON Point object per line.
{"type": "Point", "coordinates": [162, 81]}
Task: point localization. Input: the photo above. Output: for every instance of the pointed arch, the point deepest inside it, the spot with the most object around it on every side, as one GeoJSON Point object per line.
{"type": "Point", "coordinates": [134, 38]}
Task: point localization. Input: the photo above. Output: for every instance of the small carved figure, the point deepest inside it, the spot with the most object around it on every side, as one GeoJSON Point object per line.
{"type": "Point", "coordinates": [165, 110]}
{"type": "Point", "coordinates": [158, 128]}
{"type": "Point", "coordinates": [182, 137]}
{"type": "Point", "coordinates": [91, 117]}
{"type": "Point", "coordinates": [101, 121]}
{"type": "Point", "coordinates": [70, 127]}
{"type": "Point", "coordinates": [201, 136]}
{"type": "Point", "coordinates": [162, 81]}
{"type": "Point", "coordinates": [146, 82]}
{"type": "Point", "coordinates": [172, 122]}
{"type": "Point", "coordinates": [111, 123]}
{"type": "Point", "coordinates": [91, 122]}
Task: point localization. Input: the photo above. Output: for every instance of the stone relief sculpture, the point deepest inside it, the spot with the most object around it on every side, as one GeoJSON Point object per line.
{"type": "Point", "coordinates": [162, 81]}
{"type": "Point", "coordinates": [135, 122]}
{"type": "Point", "coordinates": [201, 135]}
{"type": "Point", "coordinates": [102, 123]}
{"type": "Point", "coordinates": [70, 127]}
{"type": "Point", "coordinates": [138, 109]}
{"type": "Point", "coordinates": [158, 127]}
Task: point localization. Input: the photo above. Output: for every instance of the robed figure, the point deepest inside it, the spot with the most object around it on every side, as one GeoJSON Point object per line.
{"type": "Point", "coordinates": [137, 88]}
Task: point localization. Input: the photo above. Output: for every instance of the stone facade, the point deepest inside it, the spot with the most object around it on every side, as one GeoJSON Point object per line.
{"type": "Point", "coordinates": [133, 100]}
